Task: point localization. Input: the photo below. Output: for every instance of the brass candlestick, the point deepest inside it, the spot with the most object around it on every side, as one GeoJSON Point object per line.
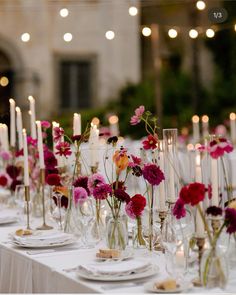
{"type": "Point", "coordinates": [200, 241]}
{"type": "Point", "coordinates": [27, 199]}
{"type": "Point", "coordinates": [170, 205]}
{"type": "Point", "coordinates": [42, 186]}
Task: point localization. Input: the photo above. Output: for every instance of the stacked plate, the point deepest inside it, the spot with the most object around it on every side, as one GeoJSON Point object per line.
{"type": "Point", "coordinates": [41, 239]}
{"type": "Point", "coordinates": [117, 271]}
{"type": "Point", "coordinates": [7, 219]}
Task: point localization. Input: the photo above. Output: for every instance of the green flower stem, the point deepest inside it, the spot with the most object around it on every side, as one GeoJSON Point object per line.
{"type": "Point", "coordinates": [229, 188]}
{"type": "Point", "coordinates": [205, 223]}
{"type": "Point", "coordinates": [151, 221]}
{"type": "Point", "coordinates": [209, 258]}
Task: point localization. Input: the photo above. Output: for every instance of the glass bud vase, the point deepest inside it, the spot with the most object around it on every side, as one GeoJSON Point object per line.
{"type": "Point", "coordinates": [214, 268]}
{"type": "Point", "coordinates": [137, 235]}
{"type": "Point", "coordinates": [117, 232]}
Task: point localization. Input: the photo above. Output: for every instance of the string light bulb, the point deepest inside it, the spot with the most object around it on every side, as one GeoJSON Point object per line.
{"type": "Point", "coordinates": [25, 37]}
{"type": "Point", "coordinates": [67, 37]}
{"type": "Point", "coordinates": [235, 27]}
{"type": "Point", "coordinates": [172, 33]}
{"type": "Point", "coordinates": [210, 33]}
{"type": "Point", "coordinates": [64, 12]}
{"type": "Point", "coordinates": [133, 10]}
{"type": "Point", "coordinates": [193, 33]}
{"type": "Point", "coordinates": [146, 31]}
{"type": "Point", "coordinates": [201, 5]}
{"type": "Point", "coordinates": [110, 35]}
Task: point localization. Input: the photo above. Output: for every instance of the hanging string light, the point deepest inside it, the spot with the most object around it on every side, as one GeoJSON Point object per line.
{"type": "Point", "coordinates": [110, 35]}
{"type": "Point", "coordinates": [146, 31]}
{"type": "Point", "coordinates": [200, 5]}
{"type": "Point", "coordinates": [133, 10]}
{"type": "Point", "coordinates": [172, 33]}
{"type": "Point", "coordinates": [64, 12]}
{"type": "Point", "coordinates": [193, 33]}
{"type": "Point", "coordinates": [210, 33]}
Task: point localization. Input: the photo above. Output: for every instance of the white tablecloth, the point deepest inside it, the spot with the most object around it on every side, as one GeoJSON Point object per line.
{"type": "Point", "coordinates": [21, 272]}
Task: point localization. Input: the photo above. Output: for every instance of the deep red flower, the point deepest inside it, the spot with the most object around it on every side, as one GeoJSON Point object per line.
{"type": "Point", "coordinates": [136, 161]}
{"type": "Point", "coordinates": [63, 149]}
{"type": "Point", "coordinates": [3, 180]}
{"type": "Point", "coordinates": [49, 159]}
{"type": "Point", "coordinates": [230, 220]}
{"type": "Point", "coordinates": [82, 181]}
{"type": "Point", "coordinates": [101, 192]}
{"type": "Point", "coordinates": [118, 185]}
{"type": "Point", "coordinates": [150, 143]}
{"type": "Point", "coordinates": [193, 193]}
{"type": "Point", "coordinates": [13, 171]}
{"type": "Point", "coordinates": [214, 211]}
{"type": "Point", "coordinates": [153, 174]}
{"type": "Point", "coordinates": [53, 179]}
{"type": "Point", "coordinates": [58, 132]}
{"type": "Point", "coordinates": [19, 153]}
{"type": "Point", "coordinates": [179, 209]}
{"type": "Point", "coordinates": [121, 195]}
{"type": "Point", "coordinates": [135, 206]}
{"type": "Point", "coordinates": [218, 147]}
{"type": "Point", "coordinates": [14, 183]}
{"type": "Point", "coordinates": [197, 192]}
{"type": "Point", "coordinates": [184, 195]}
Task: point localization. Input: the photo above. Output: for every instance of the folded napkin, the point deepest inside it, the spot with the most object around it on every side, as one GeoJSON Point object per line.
{"type": "Point", "coordinates": [42, 239]}
{"type": "Point", "coordinates": [120, 268]}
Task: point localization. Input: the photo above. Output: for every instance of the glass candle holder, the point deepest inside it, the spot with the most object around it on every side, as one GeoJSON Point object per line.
{"type": "Point", "coordinates": [172, 176]}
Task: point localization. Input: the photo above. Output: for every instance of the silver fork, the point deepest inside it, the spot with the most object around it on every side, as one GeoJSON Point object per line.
{"type": "Point", "coordinates": [126, 285]}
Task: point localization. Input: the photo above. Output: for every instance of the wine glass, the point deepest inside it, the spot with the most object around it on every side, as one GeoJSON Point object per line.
{"type": "Point", "coordinates": [87, 219]}
{"type": "Point", "coordinates": [57, 207]}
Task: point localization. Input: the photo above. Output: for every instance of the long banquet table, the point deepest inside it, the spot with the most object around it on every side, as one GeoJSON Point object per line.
{"type": "Point", "coordinates": [22, 272]}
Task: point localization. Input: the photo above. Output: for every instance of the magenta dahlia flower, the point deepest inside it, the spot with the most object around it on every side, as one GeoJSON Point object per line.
{"type": "Point", "coordinates": [153, 174]}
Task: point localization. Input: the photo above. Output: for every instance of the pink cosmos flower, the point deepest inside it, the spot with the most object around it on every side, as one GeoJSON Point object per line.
{"type": "Point", "coordinates": [136, 118]}
{"type": "Point", "coordinates": [179, 209]}
{"type": "Point", "coordinates": [6, 156]}
{"type": "Point", "coordinates": [45, 124]}
{"type": "Point", "coordinates": [80, 195]}
{"type": "Point", "coordinates": [63, 149]}
{"type": "Point", "coordinates": [58, 132]}
{"type": "Point", "coordinates": [95, 180]}
{"type": "Point", "coordinates": [218, 147]}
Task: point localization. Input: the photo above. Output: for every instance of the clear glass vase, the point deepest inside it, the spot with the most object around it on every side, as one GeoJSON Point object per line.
{"type": "Point", "coordinates": [214, 268]}
{"type": "Point", "coordinates": [138, 235]}
{"type": "Point", "coordinates": [117, 232]}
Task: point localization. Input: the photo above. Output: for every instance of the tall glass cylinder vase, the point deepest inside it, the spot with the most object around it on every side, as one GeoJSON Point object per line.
{"type": "Point", "coordinates": [172, 177]}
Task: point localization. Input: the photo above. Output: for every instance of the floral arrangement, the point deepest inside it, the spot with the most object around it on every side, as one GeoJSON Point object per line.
{"type": "Point", "coordinates": [192, 195]}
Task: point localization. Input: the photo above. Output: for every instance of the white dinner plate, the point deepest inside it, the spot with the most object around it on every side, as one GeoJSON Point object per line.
{"type": "Point", "coordinates": [8, 220]}
{"type": "Point", "coordinates": [113, 278]}
{"type": "Point", "coordinates": [126, 254]}
{"type": "Point", "coordinates": [52, 245]}
{"type": "Point", "coordinates": [183, 287]}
